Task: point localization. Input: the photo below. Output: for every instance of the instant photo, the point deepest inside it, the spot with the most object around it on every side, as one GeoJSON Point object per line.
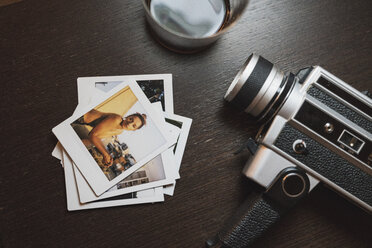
{"type": "Point", "coordinates": [184, 124]}
{"type": "Point", "coordinates": [157, 172]}
{"type": "Point", "coordinates": [157, 87]}
{"type": "Point", "coordinates": [109, 133]}
{"type": "Point", "coordinates": [73, 203]}
{"type": "Point", "coordinates": [153, 89]}
{"type": "Point", "coordinates": [119, 135]}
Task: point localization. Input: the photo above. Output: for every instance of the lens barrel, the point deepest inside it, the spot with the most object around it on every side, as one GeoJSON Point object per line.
{"type": "Point", "coordinates": [258, 87]}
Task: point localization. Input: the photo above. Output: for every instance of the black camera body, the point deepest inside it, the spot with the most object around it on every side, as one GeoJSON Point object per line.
{"type": "Point", "coordinates": [316, 128]}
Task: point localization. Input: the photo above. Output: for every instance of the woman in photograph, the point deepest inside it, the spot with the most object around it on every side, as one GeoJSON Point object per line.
{"type": "Point", "coordinates": [106, 125]}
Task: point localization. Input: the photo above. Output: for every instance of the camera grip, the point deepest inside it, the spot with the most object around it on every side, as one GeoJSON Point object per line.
{"type": "Point", "coordinates": [260, 211]}
{"type": "Point", "coordinates": [250, 221]}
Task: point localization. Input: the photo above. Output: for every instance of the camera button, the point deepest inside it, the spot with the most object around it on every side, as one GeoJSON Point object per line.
{"type": "Point", "coordinates": [328, 127]}
{"type": "Point", "coordinates": [299, 146]}
{"type": "Point", "coordinates": [293, 185]}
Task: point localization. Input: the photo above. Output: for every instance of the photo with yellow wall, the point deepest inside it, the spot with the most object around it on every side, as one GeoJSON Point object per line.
{"type": "Point", "coordinates": [118, 133]}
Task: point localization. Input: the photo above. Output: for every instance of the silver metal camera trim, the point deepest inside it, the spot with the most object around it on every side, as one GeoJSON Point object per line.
{"type": "Point", "coordinates": [324, 179]}
{"type": "Point", "coordinates": [241, 77]}
{"type": "Point", "coordinates": [342, 100]}
{"type": "Point", "coordinates": [263, 115]}
{"type": "Point", "coordinates": [324, 108]}
{"type": "Point", "coordinates": [292, 103]}
{"type": "Point", "coordinates": [352, 126]}
{"type": "Point", "coordinates": [261, 169]}
{"type": "Point", "coordinates": [269, 160]}
{"type": "Point", "coordinates": [334, 148]}
{"type": "Point", "coordinates": [266, 93]}
{"type": "Point", "coordinates": [275, 128]}
{"type": "Point", "coordinates": [319, 71]}
{"type": "Point", "coordinates": [286, 114]}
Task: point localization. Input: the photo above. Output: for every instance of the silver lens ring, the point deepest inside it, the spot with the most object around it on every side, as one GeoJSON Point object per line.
{"type": "Point", "coordinates": [241, 78]}
{"type": "Point", "coordinates": [255, 85]}
{"type": "Point", "coordinates": [277, 101]}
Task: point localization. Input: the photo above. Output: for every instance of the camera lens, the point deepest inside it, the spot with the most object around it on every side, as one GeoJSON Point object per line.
{"type": "Point", "coordinates": [259, 88]}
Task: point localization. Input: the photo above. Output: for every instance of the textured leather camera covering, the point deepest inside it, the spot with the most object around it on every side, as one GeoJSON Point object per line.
{"type": "Point", "coordinates": [327, 164]}
{"type": "Point", "coordinates": [250, 221]}
{"type": "Point", "coordinates": [341, 108]}
{"type": "Point", "coordinates": [315, 118]}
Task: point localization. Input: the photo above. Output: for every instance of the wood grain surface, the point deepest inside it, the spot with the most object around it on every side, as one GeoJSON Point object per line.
{"type": "Point", "coordinates": [8, 2]}
{"type": "Point", "coordinates": [46, 44]}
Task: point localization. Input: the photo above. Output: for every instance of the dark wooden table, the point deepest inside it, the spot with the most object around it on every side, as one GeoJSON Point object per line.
{"type": "Point", "coordinates": [46, 44]}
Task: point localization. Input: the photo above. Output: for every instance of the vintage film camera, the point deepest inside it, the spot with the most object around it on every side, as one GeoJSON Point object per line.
{"type": "Point", "coordinates": [316, 129]}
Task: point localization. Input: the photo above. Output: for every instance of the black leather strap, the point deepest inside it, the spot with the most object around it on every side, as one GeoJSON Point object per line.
{"type": "Point", "coordinates": [257, 214]}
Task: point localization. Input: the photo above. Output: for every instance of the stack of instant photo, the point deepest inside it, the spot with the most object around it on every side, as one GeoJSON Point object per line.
{"type": "Point", "coordinates": [123, 145]}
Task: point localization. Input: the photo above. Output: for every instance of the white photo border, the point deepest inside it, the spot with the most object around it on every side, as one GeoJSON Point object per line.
{"type": "Point", "coordinates": [72, 196]}
{"type": "Point", "coordinates": [81, 156]}
{"type": "Point", "coordinates": [168, 164]}
{"type": "Point", "coordinates": [87, 195]}
{"type": "Point", "coordinates": [86, 86]}
{"type": "Point", "coordinates": [181, 145]}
